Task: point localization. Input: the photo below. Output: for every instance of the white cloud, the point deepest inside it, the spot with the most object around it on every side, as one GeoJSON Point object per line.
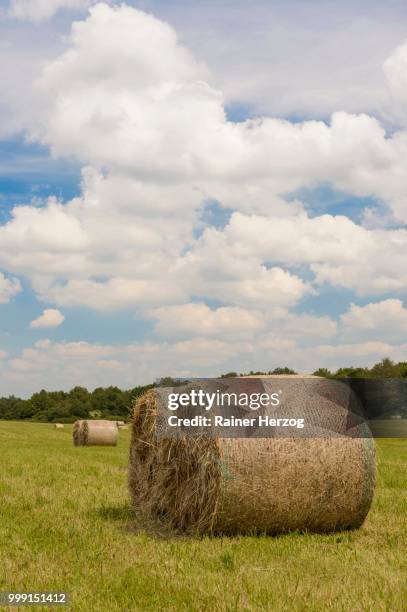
{"type": "Point", "coordinates": [41, 10]}
{"type": "Point", "coordinates": [241, 281]}
{"type": "Point", "coordinates": [307, 59]}
{"type": "Point", "coordinates": [304, 327]}
{"type": "Point", "coordinates": [49, 229]}
{"type": "Point", "coordinates": [385, 320]}
{"type": "Point", "coordinates": [43, 344]}
{"type": "Point", "coordinates": [190, 319]}
{"type": "Point", "coordinates": [336, 249]}
{"type": "Point", "coordinates": [49, 318]}
{"type": "Point", "coordinates": [152, 116]}
{"type": "Point", "coordinates": [115, 293]}
{"type": "Point", "coordinates": [9, 287]}
{"type": "Point", "coordinates": [264, 331]}
{"type": "Point", "coordinates": [142, 111]}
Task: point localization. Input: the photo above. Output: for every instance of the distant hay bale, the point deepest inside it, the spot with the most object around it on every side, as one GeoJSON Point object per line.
{"type": "Point", "coordinates": [95, 433]}
{"type": "Point", "coordinates": [59, 426]}
{"type": "Point", "coordinates": [120, 423]}
{"type": "Point", "coordinates": [246, 485]}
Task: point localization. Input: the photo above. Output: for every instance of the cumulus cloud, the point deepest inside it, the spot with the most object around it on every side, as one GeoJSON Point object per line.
{"type": "Point", "coordinates": [158, 146]}
{"type": "Point", "coordinates": [49, 318]}
{"type": "Point", "coordinates": [385, 320]}
{"type": "Point", "coordinates": [336, 249]}
{"type": "Point", "coordinates": [9, 287]}
{"type": "Point", "coordinates": [191, 319]}
{"type": "Point", "coordinates": [153, 116]}
{"type": "Point", "coordinates": [41, 10]}
{"type": "Point", "coordinates": [309, 61]}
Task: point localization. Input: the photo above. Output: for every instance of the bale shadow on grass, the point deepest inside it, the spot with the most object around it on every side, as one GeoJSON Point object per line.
{"type": "Point", "coordinates": [132, 521]}
{"type": "Point", "coordinates": [159, 530]}
{"type": "Point", "coordinates": [129, 520]}
{"type": "Point", "coordinates": [122, 513]}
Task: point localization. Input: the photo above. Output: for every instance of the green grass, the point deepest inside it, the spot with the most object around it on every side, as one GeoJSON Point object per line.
{"type": "Point", "coordinates": [64, 526]}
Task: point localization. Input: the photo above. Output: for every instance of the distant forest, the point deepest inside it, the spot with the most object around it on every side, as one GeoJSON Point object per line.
{"type": "Point", "coordinates": [67, 407]}
{"type": "Point", "coordinates": [114, 403]}
{"type": "Point", "coordinates": [386, 368]}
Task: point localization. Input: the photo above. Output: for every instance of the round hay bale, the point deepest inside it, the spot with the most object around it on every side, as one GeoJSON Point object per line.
{"type": "Point", "coordinates": [59, 425]}
{"type": "Point", "coordinates": [246, 485]}
{"type": "Point", "coordinates": [95, 433]}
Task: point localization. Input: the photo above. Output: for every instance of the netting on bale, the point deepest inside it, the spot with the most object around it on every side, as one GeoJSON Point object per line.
{"type": "Point", "coordinates": [95, 433]}
{"type": "Point", "coordinates": [207, 484]}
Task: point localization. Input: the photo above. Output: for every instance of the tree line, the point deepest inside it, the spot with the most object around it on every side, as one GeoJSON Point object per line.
{"type": "Point", "coordinates": [66, 407]}
{"type": "Point", "coordinates": [386, 368]}
{"type": "Point", "coordinates": [114, 403]}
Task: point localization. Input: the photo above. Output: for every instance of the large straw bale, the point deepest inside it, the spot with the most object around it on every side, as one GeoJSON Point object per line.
{"type": "Point", "coordinates": [205, 484]}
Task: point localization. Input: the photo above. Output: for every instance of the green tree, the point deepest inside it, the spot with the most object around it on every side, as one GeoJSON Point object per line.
{"type": "Point", "coordinates": [386, 368]}
{"type": "Point", "coordinates": [323, 372]}
{"type": "Point", "coordinates": [79, 402]}
{"type": "Point", "coordinates": [403, 368]}
{"type": "Point", "coordinates": [283, 371]}
{"type": "Point", "coordinates": [351, 372]}
{"type": "Point", "coordinates": [111, 401]}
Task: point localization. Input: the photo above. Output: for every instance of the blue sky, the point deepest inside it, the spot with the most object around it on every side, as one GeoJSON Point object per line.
{"type": "Point", "coordinates": [28, 171]}
{"type": "Point", "coordinates": [155, 272]}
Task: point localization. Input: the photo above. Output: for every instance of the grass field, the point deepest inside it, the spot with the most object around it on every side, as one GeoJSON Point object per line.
{"type": "Point", "coordinates": [65, 525]}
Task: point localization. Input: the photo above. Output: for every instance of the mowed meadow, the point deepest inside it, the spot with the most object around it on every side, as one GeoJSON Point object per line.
{"type": "Point", "coordinates": [66, 525]}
